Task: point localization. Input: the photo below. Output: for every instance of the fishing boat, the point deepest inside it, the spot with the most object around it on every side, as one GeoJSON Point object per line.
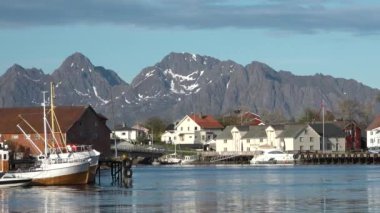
{"type": "Point", "coordinates": [11, 180]}
{"type": "Point", "coordinates": [189, 159]}
{"type": "Point", "coordinates": [54, 168]}
{"type": "Point", "coordinates": [172, 158]}
{"type": "Point", "coordinates": [272, 156]}
{"type": "Point", "coordinates": [76, 151]}
{"type": "Point", "coordinates": [83, 152]}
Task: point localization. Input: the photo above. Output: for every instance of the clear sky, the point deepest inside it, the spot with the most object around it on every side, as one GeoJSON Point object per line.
{"type": "Point", "coordinates": [333, 37]}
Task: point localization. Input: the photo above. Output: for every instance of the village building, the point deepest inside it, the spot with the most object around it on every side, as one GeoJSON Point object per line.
{"type": "Point", "coordinates": [193, 130]}
{"type": "Point", "coordinates": [77, 125]}
{"type": "Point", "coordinates": [354, 135]}
{"type": "Point", "coordinates": [334, 137]}
{"type": "Point", "coordinates": [128, 134]}
{"type": "Point", "coordinates": [299, 137]}
{"type": "Point", "coordinates": [230, 139]}
{"type": "Point", "coordinates": [255, 138]}
{"type": "Point", "coordinates": [373, 134]}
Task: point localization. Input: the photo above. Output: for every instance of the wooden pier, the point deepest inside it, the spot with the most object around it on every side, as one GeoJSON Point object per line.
{"type": "Point", "coordinates": [337, 158]}
{"type": "Point", "coordinates": [121, 172]}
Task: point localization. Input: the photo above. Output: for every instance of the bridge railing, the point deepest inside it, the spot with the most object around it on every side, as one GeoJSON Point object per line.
{"type": "Point", "coordinates": [138, 148]}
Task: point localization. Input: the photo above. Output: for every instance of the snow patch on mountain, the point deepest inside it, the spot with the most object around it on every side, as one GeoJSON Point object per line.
{"type": "Point", "coordinates": [150, 73]}
{"type": "Point", "coordinates": [100, 98]}
{"type": "Point", "coordinates": [81, 93]}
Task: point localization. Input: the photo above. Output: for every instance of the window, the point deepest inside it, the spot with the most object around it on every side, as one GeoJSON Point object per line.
{"type": "Point", "coordinates": [311, 148]}
{"type": "Point", "coordinates": [301, 148]}
{"type": "Point", "coordinates": [123, 133]}
{"type": "Point", "coordinates": [311, 139]}
{"type": "Point", "coordinates": [96, 124]}
{"type": "Point", "coordinates": [14, 136]}
{"type": "Point", "coordinates": [248, 141]}
{"type": "Point", "coordinates": [261, 139]}
{"type": "Point", "coordinates": [181, 128]}
{"type": "Point", "coordinates": [225, 149]}
{"type": "Point", "coordinates": [190, 136]}
{"type": "Point", "coordinates": [248, 149]}
{"type": "Point", "coordinates": [174, 137]}
{"type": "Point", "coordinates": [301, 139]}
{"type": "Point", "coordinates": [195, 128]}
{"type": "Point", "coordinates": [203, 137]}
{"type": "Point", "coordinates": [225, 140]}
{"type": "Point", "coordinates": [305, 131]}
{"type": "Point", "coordinates": [188, 128]}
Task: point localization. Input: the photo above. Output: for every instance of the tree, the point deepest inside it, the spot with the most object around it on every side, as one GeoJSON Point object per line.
{"type": "Point", "coordinates": [156, 127]}
{"type": "Point", "coordinates": [350, 109]}
{"type": "Point", "coordinates": [274, 117]}
{"type": "Point", "coordinates": [309, 115]}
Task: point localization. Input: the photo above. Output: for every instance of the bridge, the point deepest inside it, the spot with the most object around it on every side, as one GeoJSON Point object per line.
{"type": "Point", "coordinates": [135, 151]}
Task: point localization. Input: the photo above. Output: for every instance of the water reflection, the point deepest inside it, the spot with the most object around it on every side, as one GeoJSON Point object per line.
{"type": "Point", "coordinates": [213, 189]}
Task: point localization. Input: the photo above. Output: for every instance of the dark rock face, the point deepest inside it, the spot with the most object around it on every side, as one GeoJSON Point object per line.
{"type": "Point", "coordinates": [180, 84]}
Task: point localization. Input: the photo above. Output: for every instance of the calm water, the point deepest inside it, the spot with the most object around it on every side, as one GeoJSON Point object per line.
{"type": "Point", "coordinates": [212, 189]}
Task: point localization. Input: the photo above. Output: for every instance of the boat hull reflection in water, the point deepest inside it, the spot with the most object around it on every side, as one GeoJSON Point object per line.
{"type": "Point", "coordinates": [349, 188]}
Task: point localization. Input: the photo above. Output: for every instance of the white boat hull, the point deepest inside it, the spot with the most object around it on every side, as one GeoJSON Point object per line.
{"type": "Point", "coordinates": [58, 174]}
{"type": "Point", "coordinates": [92, 154]}
{"type": "Point", "coordinates": [10, 180]}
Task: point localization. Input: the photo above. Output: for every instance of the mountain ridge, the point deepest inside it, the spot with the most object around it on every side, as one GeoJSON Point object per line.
{"type": "Point", "coordinates": [181, 83]}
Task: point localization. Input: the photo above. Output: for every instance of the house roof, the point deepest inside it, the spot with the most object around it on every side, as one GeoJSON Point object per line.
{"type": "Point", "coordinates": [226, 133]}
{"type": "Point", "coordinates": [331, 130]}
{"type": "Point", "coordinates": [123, 128]}
{"type": "Point", "coordinates": [10, 117]}
{"type": "Point", "coordinates": [256, 132]}
{"type": "Point", "coordinates": [206, 121]}
{"type": "Point", "coordinates": [291, 131]}
{"type": "Point", "coordinates": [375, 123]}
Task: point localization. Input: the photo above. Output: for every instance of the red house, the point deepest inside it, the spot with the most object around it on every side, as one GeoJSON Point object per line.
{"type": "Point", "coordinates": [78, 125]}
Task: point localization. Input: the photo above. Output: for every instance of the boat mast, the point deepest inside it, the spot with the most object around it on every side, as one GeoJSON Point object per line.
{"type": "Point", "coordinates": [44, 121]}
{"type": "Point", "coordinates": [52, 114]}
{"type": "Point", "coordinates": [323, 125]}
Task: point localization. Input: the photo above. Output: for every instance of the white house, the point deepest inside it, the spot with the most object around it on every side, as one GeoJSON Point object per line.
{"type": "Point", "coordinates": [299, 138]}
{"type": "Point", "coordinates": [334, 137]}
{"type": "Point", "coordinates": [373, 134]}
{"type": "Point", "coordinates": [193, 129]}
{"type": "Point", "coordinates": [230, 139]}
{"type": "Point", "coordinates": [127, 133]}
{"type": "Point", "coordinates": [255, 138]}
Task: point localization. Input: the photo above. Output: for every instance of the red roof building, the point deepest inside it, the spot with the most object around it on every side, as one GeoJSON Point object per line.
{"type": "Point", "coordinates": [78, 125]}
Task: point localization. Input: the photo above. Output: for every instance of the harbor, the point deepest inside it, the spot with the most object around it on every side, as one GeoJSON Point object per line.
{"type": "Point", "coordinates": [212, 188]}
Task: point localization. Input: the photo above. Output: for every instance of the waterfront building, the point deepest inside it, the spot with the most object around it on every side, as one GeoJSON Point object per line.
{"type": "Point", "coordinates": [128, 134]}
{"type": "Point", "coordinates": [334, 137]}
{"type": "Point", "coordinates": [255, 138]}
{"type": "Point", "coordinates": [230, 139]}
{"type": "Point", "coordinates": [193, 130]}
{"type": "Point", "coordinates": [373, 134]}
{"type": "Point", "coordinates": [77, 125]}
{"type": "Point", "coordinates": [353, 132]}
{"type": "Point", "coordinates": [298, 137]}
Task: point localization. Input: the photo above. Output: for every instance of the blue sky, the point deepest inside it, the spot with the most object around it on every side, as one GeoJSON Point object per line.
{"type": "Point", "coordinates": [336, 37]}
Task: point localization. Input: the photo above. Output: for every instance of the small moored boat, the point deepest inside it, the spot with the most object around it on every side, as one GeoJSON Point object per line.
{"type": "Point", "coordinates": [272, 156]}
{"type": "Point", "coordinates": [11, 180]}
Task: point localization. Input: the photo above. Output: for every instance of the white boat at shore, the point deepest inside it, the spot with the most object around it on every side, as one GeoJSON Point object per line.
{"type": "Point", "coordinates": [62, 171]}
{"type": "Point", "coordinates": [272, 156]}
{"type": "Point", "coordinates": [8, 180]}
{"type": "Point", "coordinates": [79, 152]}
{"type": "Point", "coordinates": [189, 159]}
{"type": "Point", "coordinates": [55, 168]}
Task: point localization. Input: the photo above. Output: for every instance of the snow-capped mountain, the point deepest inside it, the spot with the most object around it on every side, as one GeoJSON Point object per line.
{"type": "Point", "coordinates": [181, 83]}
